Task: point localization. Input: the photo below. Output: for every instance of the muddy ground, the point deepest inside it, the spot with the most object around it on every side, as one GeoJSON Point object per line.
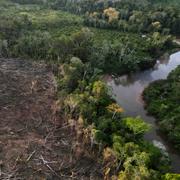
{"type": "Point", "coordinates": [35, 143]}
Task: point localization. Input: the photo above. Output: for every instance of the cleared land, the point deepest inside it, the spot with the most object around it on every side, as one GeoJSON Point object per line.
{"type": "Point", "coordinates": [34, 142]}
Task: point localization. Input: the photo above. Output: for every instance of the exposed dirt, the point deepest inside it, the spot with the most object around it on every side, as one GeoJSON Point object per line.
{"type": "Point", "coordinates": [34, 141]}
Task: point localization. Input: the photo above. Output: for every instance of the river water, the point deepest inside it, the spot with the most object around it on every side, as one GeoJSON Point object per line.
{"type": "Point", "coordinates": [127, 91]}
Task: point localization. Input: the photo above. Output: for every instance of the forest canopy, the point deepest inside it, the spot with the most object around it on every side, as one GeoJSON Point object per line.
{"type": "Point", "coordinates": [163, 99]}
{"type": "Point", "coordinates": [85, 39]}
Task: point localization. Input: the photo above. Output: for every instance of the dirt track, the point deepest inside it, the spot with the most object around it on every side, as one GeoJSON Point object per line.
{"type": "Point", "coordinates": [32, 146]}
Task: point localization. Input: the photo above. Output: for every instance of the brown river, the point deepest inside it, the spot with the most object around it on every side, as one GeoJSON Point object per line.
{"type": "Point", "coordinates": [127, 91]}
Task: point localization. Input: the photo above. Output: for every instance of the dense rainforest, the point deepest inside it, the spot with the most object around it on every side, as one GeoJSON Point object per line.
{"type": "Point", "coordinates": [162, 99]}
{"type": "Point", "coordinates": [83, 40]}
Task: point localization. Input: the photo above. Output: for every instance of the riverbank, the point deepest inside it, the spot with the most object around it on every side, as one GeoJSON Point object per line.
{"type": "Point", "coordinates": [162, 101]}
{"type": "Point", "coordinates": [127, 92]}
{"type": "Point", "coordinates": [98, 141]}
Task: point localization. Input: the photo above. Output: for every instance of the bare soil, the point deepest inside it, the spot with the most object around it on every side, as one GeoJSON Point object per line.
{"type": "Point", "coordinates": [34, 141]}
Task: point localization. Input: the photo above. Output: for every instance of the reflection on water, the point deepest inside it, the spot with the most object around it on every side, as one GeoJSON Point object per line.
{"type": "Point", "coordinates": [127, 91]}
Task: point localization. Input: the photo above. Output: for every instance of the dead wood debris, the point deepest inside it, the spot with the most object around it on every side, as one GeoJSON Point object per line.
{"type": "Point", "coordinates": [31, 145]}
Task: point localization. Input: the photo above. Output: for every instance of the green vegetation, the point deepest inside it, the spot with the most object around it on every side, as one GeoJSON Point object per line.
{"type": "Point", "coordinates": [166, 2]}
{"type": "Point", "coordinates": [85, 98]}
{"type": "Point", "coordinates": [79, 56]}
{"type": "Point", "coordinates": [163, 99]}
{"type": "Point", "coordinates": [143, 16]}
{"type": "Point", "coordinates": [171, 177]}
{"type": "Point", "coordinates": [38, 28]}
{"type": "Point", "coordinates": [146, 20]}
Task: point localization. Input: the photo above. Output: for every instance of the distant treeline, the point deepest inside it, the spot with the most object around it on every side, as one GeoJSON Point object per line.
{"type": "Point", "coordinates": [79, 60]}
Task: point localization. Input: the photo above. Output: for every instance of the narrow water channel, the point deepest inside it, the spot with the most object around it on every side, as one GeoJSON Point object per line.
{"type": "Point", "coordinates": [127, 91]}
